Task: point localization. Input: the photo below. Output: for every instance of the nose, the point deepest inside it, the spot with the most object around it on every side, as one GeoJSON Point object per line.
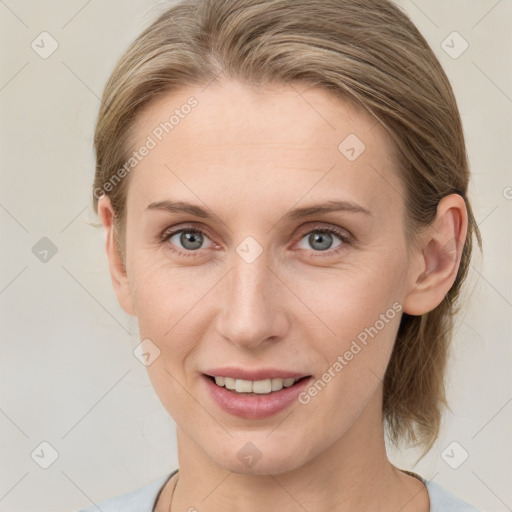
{"type": "Point", "coordinates": [252, 309]}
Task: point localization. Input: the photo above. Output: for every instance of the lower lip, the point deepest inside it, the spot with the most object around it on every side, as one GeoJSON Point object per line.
{"type": "Point", "coordinates": [255, 406]}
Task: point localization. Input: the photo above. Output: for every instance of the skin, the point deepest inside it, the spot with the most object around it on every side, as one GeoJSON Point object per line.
{"type": "Point", "coordinates": [250, 156]}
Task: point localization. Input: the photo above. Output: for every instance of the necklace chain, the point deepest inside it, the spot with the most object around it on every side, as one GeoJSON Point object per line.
{"type": "Point", "coordinates": [410, 473]}
{"type": "Point", "coordinates": [173, 490]}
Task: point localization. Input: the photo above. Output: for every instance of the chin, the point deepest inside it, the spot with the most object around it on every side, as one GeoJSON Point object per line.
{"type": "Point", "coordinates": [258, 455]}
{"type": "Point", "coordinates": [264, 466]}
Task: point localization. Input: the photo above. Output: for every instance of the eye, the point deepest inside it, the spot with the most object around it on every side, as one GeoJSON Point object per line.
{"type": "Point", "coordinates": [187, 239]}
{"type": "Point", "coordinates": [324, 239]}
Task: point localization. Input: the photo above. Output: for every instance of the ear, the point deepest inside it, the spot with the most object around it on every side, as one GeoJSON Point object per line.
{"type": "Point", "coordinates": [438, 256]}
{"type": "Point", "coordinates": [117, 267]}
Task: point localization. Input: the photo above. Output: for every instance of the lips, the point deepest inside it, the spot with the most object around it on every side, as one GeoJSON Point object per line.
{"type": "Point", "coordinates": [254, 374]}
{"type": "Point", "coordinates": [252, 405]}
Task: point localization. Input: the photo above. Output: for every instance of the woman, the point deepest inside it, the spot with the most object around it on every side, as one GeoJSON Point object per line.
{"type": "Point", "coordinates": [283, 187]}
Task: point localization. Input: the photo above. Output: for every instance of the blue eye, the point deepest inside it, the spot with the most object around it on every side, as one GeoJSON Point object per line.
{"type": "Point", "coordinates": [190, 240]}
{"type": "Point", "coordinates": [187, 241]}
{"type": "Point", "coordinates": [323, 239]}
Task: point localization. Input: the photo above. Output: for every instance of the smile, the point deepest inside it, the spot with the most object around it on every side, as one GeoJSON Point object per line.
{"type": "Point", "coordinates": [254, 386]}
{"type": "Point", "coordinates": [254, 399]}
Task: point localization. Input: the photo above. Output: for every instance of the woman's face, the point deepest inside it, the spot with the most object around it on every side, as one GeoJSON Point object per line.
{"type": "Point", "coordinates": [290, 258]}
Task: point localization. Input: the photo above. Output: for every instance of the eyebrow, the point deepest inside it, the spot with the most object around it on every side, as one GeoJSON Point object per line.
{"type": "Point", "coordinates": [327, 207]}
{"type": "Point", "coordinates": [296, 213]}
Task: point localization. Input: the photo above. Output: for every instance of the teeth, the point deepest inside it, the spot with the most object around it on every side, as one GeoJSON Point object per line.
{"type": "Point", "coordinates": [288, 382]}
{"type": "Point", "coordinates": [257, 386]}
{"type": "Point", "coordinates": [229, 383]}
{"type": "Point", "coordinates": [261, 386]}
{"type": "Point", "coordinates": [243, 386]}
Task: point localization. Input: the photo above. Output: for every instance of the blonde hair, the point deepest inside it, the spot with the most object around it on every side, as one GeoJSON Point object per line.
{"type": "Point", "coordinates": [367, 52]}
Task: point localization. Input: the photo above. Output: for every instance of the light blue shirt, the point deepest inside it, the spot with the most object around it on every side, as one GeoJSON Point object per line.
{"type": "Point", "coordinates": [143, 500]}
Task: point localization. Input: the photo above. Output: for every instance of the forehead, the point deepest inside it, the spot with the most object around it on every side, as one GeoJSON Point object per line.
{"type": "Point", "coordinates": [274, 139]}
{"type": "Point", "coordinates": [274, 114]}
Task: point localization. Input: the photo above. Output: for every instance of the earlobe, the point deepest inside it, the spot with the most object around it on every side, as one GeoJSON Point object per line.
{"type": "Point", "coordinates": [117, 267]}
{"type": "Point", "coordinates": [438, 256]}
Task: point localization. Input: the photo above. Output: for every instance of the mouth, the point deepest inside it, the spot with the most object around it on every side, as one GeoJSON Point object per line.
{"type": "Point", "coordinates": [255, 387]}
{"type": "Point", "coordinates": [254, 393]}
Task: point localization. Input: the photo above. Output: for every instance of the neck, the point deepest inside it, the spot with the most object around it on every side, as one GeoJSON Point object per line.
{"type": "Point", "coordinates": [353, 473]}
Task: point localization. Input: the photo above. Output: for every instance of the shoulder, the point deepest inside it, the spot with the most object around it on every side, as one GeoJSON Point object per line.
{"type": "Point", "coordinates": [443, 501]}
{"type": "Point", "coordinates": [140, 500]}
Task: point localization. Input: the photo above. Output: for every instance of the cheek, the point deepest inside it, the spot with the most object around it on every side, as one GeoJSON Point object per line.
{"type": "Point", "coordinates": [357, 315]}
{"type": "Point", "coordinates": [162, 294]}
{"type": "Point", "coordinates": [173, 308]}
{"type": "Point", "coordinates": [343, 302]}
{"type": "Point", "coordinates": [168, 303]}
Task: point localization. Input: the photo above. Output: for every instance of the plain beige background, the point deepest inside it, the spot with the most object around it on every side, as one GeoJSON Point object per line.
{"type": "Point", "coordinates": [68, 374]}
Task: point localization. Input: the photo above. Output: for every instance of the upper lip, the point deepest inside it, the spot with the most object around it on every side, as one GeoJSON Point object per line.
{"type": "Point", "coordinates": [254, 373]}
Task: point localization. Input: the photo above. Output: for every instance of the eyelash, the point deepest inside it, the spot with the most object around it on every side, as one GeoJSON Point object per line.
{"type": "Point", "coordinates": [343, 235]}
